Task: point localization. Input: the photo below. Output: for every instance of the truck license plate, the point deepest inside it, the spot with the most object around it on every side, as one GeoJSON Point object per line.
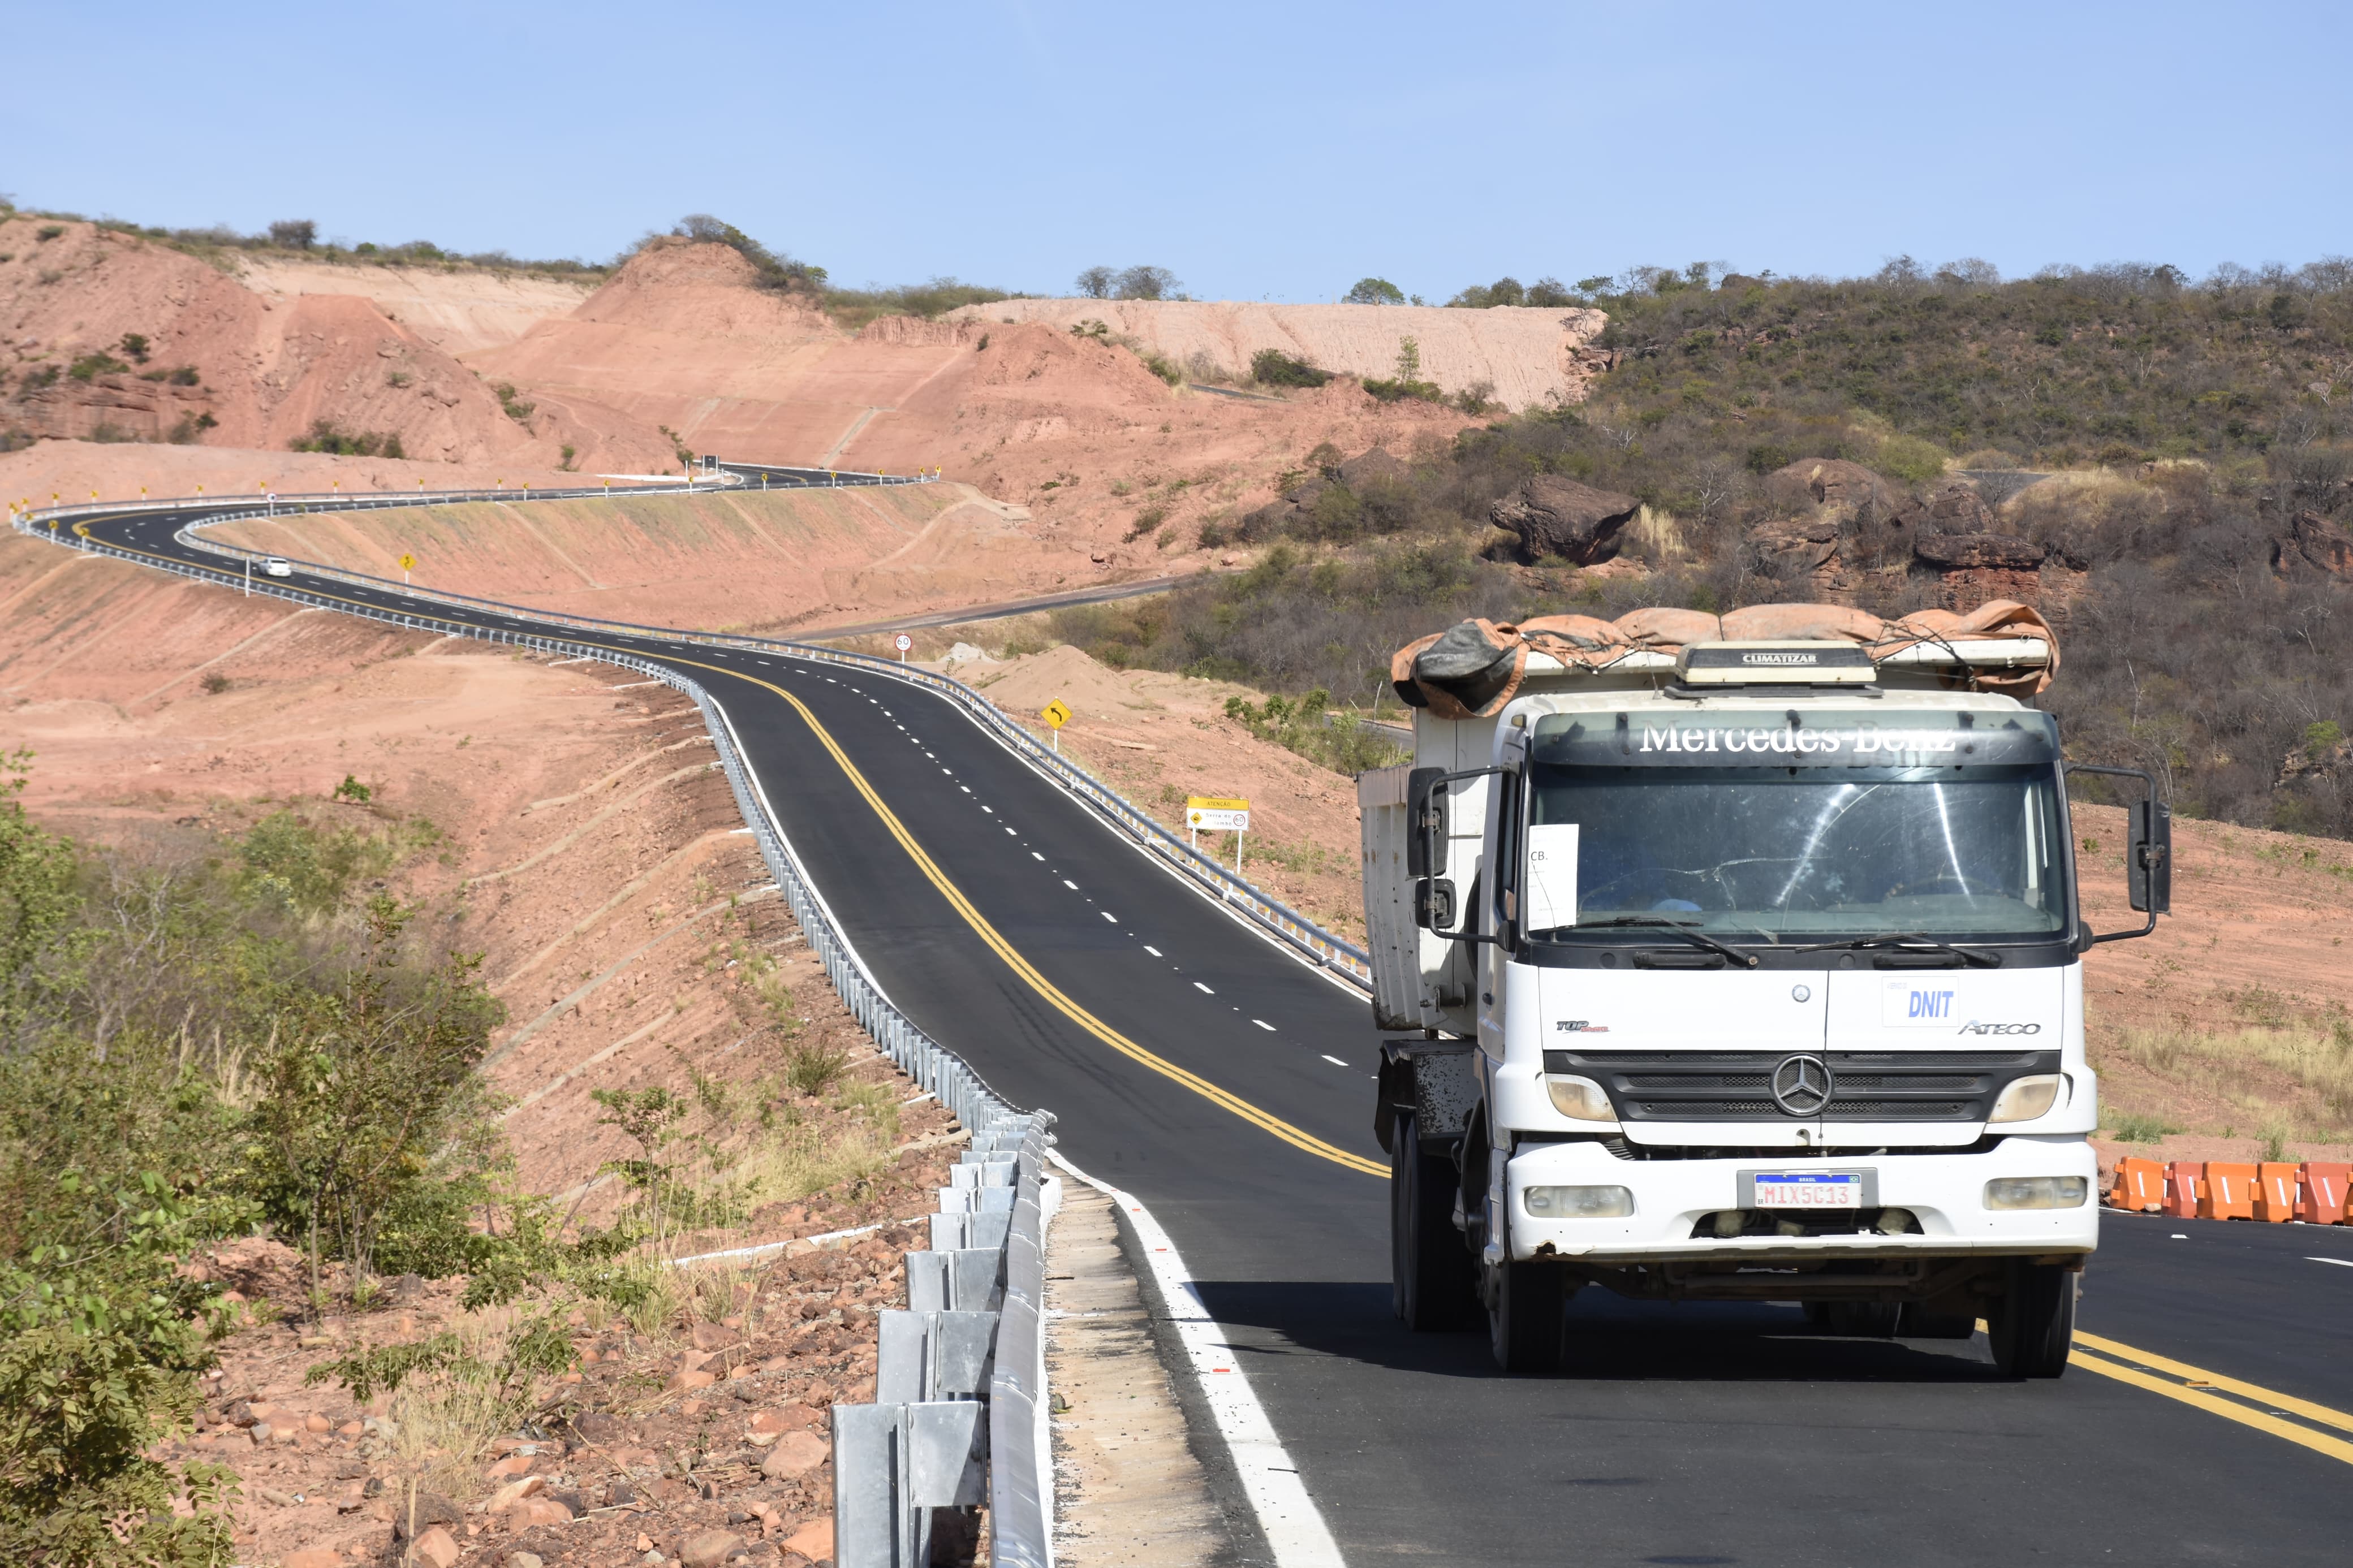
{"type": "Point", "coordinates": [1808, 1190]}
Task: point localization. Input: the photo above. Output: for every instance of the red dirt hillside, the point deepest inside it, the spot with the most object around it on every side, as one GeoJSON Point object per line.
{"type": "Point", "coordinates": [229, 367]}
{"type": "Point", "coordinates": [1075, 428]}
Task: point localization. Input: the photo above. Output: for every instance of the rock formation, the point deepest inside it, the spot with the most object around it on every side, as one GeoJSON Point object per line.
{"type": "Point", "coordinates": [1559, 516]}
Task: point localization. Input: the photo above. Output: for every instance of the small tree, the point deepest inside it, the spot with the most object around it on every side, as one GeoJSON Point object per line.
{"type": "Point", "coordinates": [294, 234]}
{"type": "Point", "coordinates": [1146, 283]}
{"type": "Point", "coordinates": [1409, 360]}
{"type": "Point", "coordinates": [1097, 282]}
{"type": "Point", "coordinates": [1374, 291]}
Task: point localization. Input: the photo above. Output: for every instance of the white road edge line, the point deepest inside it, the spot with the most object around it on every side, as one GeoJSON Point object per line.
{"type": "Point", "coordinates": [2340, 1262]}
{"type": "Point", "coordinates": [1294, 1528]}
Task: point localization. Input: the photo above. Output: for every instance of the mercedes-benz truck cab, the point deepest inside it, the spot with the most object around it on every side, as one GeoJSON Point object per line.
{"type": "Point", "coordinates": [1760, 979]}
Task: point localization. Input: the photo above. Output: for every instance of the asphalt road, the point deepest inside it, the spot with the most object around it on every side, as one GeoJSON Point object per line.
{"type": "Point", "coordinates": [1678, 1435]}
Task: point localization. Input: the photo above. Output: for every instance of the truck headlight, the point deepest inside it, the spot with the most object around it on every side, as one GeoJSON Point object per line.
{"type": "Point", "coordinates": [1581, 1099]}
{"type": "Point", "coordinates": [2036, 1192]}
{"type": "Point", "coordinates": [2026, 1098]}
{"type": "Point", "coordinates": [1578, 1203]}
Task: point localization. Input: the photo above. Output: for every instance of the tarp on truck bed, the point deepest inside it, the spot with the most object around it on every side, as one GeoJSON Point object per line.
{"type": "Point", "coordinates": [1473, 669]}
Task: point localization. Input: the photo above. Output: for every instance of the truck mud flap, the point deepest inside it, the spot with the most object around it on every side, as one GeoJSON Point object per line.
{"type": "Point", "coordinates": [1435, 1080]}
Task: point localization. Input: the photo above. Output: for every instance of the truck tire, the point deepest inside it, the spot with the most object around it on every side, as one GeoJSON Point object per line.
{"type": "Point", "coordinates": [1524, 1321]}
{"type": "Point", "coordinates": [1433, 1284]}
{"type": "Point", "coordinates": [2033, 1326]}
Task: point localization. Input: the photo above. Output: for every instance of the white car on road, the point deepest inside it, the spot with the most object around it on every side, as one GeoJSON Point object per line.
{"type": "Point", "coordinates": [276, 566]}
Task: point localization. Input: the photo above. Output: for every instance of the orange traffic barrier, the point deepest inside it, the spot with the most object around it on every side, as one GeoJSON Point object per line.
{"type": "Point", "coordinates": [2230, 1191]}
{"type": "Point", "coordinates": [2185, 1183]}
{"type": "Point", "coordinates": [2322, 1199]}
{"type": "Point", "coordinates": [2275, 1192]}
{"type": "Point", "coordinates": [2140, 1186]}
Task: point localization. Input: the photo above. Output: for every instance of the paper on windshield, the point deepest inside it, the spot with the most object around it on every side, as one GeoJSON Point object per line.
{"type": "Point", "coordinates": [1552, 875]}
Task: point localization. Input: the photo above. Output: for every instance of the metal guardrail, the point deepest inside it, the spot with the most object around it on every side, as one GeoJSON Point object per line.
{"type": "Point", "coordinates": [959, 1418]}
{"type": "Point", "coordinates": [961, 1409]}
{"type": "Point", "coordinates": [1333, 952]}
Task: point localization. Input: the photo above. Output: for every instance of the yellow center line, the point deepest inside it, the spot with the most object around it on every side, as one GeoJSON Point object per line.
{"type": "Point", "coordinates": [2321, 1414]}
{"type": "Point", "coordinates": [2229, 1410]}
{"type": "Point", "coordinates": [1053, 994]}
{"type": "Point", "coordinates": [2091, 1352]}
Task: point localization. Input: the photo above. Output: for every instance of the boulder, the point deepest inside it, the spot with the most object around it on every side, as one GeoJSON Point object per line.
{"type": "Point", "coordinates": [1374, 465]}
{"type": "Point", "coordinates": [513, 1492]}
{"type": "Point", "coordinates": [2312, 548]}
{"type": "Point", "coordinates": [1955, 507]}
{"type": "Point", "coordinates": [1851, 493]}
{"type": "Point", "coordinates": [1377, 465]}
{"type": "Point", "coordinates": [425, 1509]}
{"type": "Point", "coordinates": [709, 1549]}
{"type": "Point", "coordinates": [714, 1336]}
{"type": "Point", "coordinates": [1968, 552]}
{"type": "Point", "coordinates": [1794, 546]}
{"type": "Point", "coordinates": [794, 1454]}
{"type": "Point", "coordinates": [813, 1541]}
{"type": "Point", "coordinates": [534, 1510]}
{"type": "Point", "coordinates": [437, 1548]}
{"type": "Point", "coordinates": [595, 1427]}
{"type": "Point", "coordinates": [1558, 517]}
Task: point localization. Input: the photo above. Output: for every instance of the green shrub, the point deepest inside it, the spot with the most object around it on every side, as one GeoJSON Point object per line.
{"type": "Point", "coordinates": [516, 408]}
{"type": "Point", "coordinates": [186, 375]}
{"type": "Point", "coordinates": [1303, 726]}
{"type": "Point", "coordinates": [325, 437]}
{"type": "Point", "coordinates": [1272, 367]}
{"type": "Point", "coordinates": [48, 231]}
{"type": "Point", "coordinates": [90, 366]}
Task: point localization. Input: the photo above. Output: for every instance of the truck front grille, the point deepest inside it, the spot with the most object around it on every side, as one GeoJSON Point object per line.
{"type": "Point", "coordinates": [1866, 1086]}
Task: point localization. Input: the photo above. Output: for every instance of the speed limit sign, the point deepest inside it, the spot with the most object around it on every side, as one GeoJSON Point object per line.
{"type": "Point", "coordinates": [902, 642]}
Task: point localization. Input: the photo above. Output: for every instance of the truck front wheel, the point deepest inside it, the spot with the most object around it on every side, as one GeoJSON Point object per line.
{"type": "Point", "coordinates": [1433, 1284]}
{"type": "Point", "coordinates": [1523, 1316]}
{"type": "Point", "coordinates": [2033, 1326]}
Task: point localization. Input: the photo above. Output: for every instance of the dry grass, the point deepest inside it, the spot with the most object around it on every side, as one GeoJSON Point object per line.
{"type": "Point", "coordinates": [2318, 1061]}
{"type": "Point", "coordinates": [445, 1421]}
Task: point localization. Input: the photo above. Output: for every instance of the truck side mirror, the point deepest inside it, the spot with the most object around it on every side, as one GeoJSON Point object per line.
{"type": "Point", "coordinates": [2149, 855]}
{"type": "Point", "coordinates": [1433, 904]}
{"type": "Point", "coordinates": [1425, 837]}
{"type": "Point", "coordinates": [2149, 869]}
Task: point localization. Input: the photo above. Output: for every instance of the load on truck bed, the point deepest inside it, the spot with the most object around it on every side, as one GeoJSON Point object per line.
{"type": "Point", "coordinates": [1739, 959]}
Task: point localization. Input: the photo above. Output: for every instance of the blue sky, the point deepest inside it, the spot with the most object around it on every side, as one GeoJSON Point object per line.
{"type": "Point", "coordinates": [1256, 150]}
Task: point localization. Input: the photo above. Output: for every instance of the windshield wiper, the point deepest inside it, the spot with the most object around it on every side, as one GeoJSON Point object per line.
{"type": "Point", "coordinates": [1912, 941]}
{"type": "Point", "coordinates": [1697, 938]}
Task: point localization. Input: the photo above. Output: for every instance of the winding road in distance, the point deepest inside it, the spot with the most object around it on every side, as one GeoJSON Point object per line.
{"type": "Point", "coordinates": [1073, 974]}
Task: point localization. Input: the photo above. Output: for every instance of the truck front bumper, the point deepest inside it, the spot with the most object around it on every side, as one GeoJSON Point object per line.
{"type": "Point", "coordinates": [1945, 1192]}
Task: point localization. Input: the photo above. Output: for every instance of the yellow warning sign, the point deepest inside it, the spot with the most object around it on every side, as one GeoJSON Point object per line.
{"type": "Point", "coordinates": [407, 561]}
{"type": "Point", "coordinates": [1217, 814]}
{"type": "Point", "coordinates": [1055, 713]}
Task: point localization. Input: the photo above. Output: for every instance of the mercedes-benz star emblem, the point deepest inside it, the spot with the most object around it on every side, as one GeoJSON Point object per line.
{"type": "Point", "coordinates": [1801, 1085]}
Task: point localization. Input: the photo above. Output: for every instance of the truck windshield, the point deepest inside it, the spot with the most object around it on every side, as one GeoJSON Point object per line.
{"type": "Point", "coordinates": [1823, 847]}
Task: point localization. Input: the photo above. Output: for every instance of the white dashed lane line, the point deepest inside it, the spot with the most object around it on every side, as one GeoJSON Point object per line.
{"type": "Point", "coordinates": [1335, 1061]}
{"type": "Point", "coordinates": [1203, 989]}
{"type": "Point", "coordinates": [1067, 883]}
{"type": "Point", "coordinates": [1262, 1023]}
{"type": "Point", "coordinates": [1153, 951]}
{"type": "Point", "coordinates": [1109, 916]}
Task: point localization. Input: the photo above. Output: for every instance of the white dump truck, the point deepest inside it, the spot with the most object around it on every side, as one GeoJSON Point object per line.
{"type": "Point", "coordinates": [1740, 970]}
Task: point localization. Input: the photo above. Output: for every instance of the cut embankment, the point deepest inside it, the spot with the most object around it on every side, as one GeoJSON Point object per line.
{"type": "Point", "coordinates": [710, 560]}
